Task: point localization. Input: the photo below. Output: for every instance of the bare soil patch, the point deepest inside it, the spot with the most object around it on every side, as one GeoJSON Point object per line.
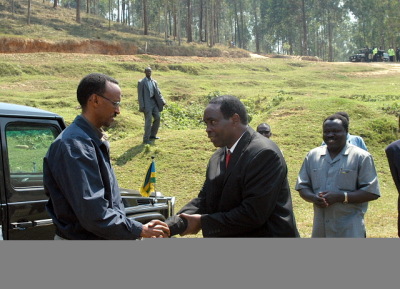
{"type": "Point", "coordinates": [385, 68]}
{"type": "Point", "coordinates": [19, 45]}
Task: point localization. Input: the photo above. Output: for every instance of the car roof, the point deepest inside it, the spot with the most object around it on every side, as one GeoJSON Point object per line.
{"type": "Point", "coordinates": [9, 109]}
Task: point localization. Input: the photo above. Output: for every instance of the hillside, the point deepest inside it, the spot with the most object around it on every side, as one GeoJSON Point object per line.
{"type": "Point", "coordinates": [292, 95]}
{"type": "Point", "coordinates": [55, 30]}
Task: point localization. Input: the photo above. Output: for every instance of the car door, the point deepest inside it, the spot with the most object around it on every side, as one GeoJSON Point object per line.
{"type": "Point", "coordinates": [26, 143]}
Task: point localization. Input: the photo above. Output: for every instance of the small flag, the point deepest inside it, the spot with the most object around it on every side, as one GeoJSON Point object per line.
{"type": "Point", "coordinates": [150, 181]}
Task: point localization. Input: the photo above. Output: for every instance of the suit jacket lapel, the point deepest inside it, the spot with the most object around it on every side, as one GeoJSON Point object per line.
{"type": "Point", "coordinates": [238, 152]}
{"type": "Point", "coordinates": [216, 177]}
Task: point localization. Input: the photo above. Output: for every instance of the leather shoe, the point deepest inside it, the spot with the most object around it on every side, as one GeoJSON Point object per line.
{"type": "Point", "coordinates": [154, 137]}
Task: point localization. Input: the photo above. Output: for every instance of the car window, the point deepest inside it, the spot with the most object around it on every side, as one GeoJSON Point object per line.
{"type": "Point", "coordinates": [27, 144]}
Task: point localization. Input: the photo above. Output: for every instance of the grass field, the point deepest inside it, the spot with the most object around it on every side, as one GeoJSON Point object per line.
{"type": "Point", "coordinates": [292, 96]}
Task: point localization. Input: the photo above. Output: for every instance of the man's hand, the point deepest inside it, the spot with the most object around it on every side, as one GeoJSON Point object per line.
{"type": "Point", "coordinates": [194, 224]}
{"type": "Point", "coordinates": [331, 197]}
{"type": "Point", "coordinates": [320, 201]}
{"type": "Point", "coordinates": [155, 229]}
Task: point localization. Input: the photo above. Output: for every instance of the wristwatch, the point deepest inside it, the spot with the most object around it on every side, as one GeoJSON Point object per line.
{"type": "Point", "coordinates": [346, 201]}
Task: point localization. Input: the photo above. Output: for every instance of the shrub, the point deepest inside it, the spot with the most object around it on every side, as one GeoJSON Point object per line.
{"type": "Point", "coordinates": [9, 70]}
{"type": "Point", "coordinates": [384, 130]}
{"type": "Point", "coordinates": [175, 116]}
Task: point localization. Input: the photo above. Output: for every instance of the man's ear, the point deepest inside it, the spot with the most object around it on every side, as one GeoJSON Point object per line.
{"type": "Point", "coordinates": [93, 101]}
{"type": "Point", "coordinates": [235, 118]}
{"type": "Point", "coordinates": [93, 98]}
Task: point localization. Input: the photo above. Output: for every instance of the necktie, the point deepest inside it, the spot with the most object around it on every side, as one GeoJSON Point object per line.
{"type": "Point", "coordinates": [227, 158]}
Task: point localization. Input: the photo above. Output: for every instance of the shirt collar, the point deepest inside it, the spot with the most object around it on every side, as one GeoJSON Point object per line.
{"type": "Point", "coordinates": [99, 132]}
{"type": "Point", "coordinates": [344, 151]}
{"type": "Point", "coordinates": [235, 144]}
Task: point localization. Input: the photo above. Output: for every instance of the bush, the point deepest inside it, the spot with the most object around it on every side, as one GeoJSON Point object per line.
{"type": "Point", "coordinates": [175, 116]}
{"type": "Point", "coordinates": [384, 131]}
{"type": "Point", "coordinates": [190, 69]}
{"type": "Point", "coordinates": [392, 109]}
{"type": "Point", "coordinates": [9, 70]}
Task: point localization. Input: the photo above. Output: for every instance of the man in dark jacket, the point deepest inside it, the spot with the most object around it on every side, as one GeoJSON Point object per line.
{"type": "Point", "coordinates": [246, 191]}
{"type": "Point", "coordinates": [84, 196]}
{"type": "Point", "coordinates": [393, 156]}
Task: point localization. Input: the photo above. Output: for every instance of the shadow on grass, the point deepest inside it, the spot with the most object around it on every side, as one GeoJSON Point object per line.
{"type": "Point", "coordinates": [130, 154]}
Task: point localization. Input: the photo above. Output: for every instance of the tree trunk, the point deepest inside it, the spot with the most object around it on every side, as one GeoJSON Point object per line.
{"type": "Point", "coordinates": [242, 45]}
{"type": "Point", "coordinates": [189, 21]}
{"type": "Point", "coordinates": [304, 21]}
{"type": "Point", "coordinates": [256, 28]}
{"type": "Point", "coordinates": [78, 11]}
{"type": "Point", "coordinates": [201, 15]}
{"type": "Point", "coordinates": [237, 32]}
{"type": "Point", "coordinates": [166, 20]}
{"type": "Point", "coordinates": [145, 23]}
{"type": "Point", "coordinates": [118, 13]}
{"type": "Point", "coordinates": [330, 38]}
{"type": "Point", "coordinates": [175, 21]}
{"type": "Point", "coordinates": [109, 14]}
{"type": "Point", "coordinates": [206, 21]}
{"type": "Point", "coordinates": [178, 24]}
{"type": "Point", "coordinates": [29, 12]}
{"type": "Point", "coordinates": [217, 11]}
{"type": "Point", "coordinates": [211, 23]}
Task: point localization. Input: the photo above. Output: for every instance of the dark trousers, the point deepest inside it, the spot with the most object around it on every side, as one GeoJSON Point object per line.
{"type": "Point", "coordinates": [151, 121]}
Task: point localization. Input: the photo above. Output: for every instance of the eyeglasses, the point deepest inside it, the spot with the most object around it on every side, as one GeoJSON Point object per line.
{"type": "Point", "coordinates": [116, 104]}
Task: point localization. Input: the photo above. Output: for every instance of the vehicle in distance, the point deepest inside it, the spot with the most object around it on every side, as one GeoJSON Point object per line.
{"type": "Point", "coordinates": [358, 57]}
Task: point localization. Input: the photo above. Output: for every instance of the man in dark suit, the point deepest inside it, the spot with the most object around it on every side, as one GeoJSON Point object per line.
{"type": "Point", "coordinates": [393, 156]}
{"type": "Point", "coordinates": [245, 194]}
{"type": "Point", "coordinates": [151, 103]}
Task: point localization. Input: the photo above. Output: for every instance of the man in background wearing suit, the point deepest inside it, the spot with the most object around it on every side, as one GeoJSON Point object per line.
{"type": "Point", "coordinates": [393, 156]}
{"type": "Point", "coordinates": [246, 191]}
{"type": "Point", "coordinates": [151, 103]}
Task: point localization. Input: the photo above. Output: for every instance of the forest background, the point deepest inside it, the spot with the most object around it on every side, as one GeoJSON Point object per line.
{"type": "Point", "coordinates": [328, 29]}
{"type": "Point", "coordinates": [293, 93]}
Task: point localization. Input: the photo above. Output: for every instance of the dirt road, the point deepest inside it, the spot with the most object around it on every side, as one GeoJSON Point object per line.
{"type": "Point", "coordinates": [384, 67]}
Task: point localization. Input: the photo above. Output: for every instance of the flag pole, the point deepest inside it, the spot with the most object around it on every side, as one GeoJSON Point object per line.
{"type": "Point", "coordinates": [155, 191]}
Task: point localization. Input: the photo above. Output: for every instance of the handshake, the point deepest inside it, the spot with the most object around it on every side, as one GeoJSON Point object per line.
{"type": "Point", "coordinates": [155, 229]}
{"type": "Point", "coordinates": [181, 224]}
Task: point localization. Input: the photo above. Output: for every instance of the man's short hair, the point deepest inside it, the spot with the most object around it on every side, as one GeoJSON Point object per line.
{"type": "Point", "coordinates": [345, 123]}
{"type": "Point", "coordinates": [94, 83]}
{"type": "Point", "coordinates": [345, 114]}
{"type": "Point", "coordinates": [266, 125]}
{"type": "Point", "coordinates": [229, 105]}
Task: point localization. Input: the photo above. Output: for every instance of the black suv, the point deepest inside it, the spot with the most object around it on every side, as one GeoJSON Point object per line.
{"type": "Point", "coordinates": [25, 136]}
{"type": "Point", "coordinates": [359, 57]}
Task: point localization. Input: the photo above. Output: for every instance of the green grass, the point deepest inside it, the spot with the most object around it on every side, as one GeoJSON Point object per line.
{"type": "Point", "coordinates": [292, 96]}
